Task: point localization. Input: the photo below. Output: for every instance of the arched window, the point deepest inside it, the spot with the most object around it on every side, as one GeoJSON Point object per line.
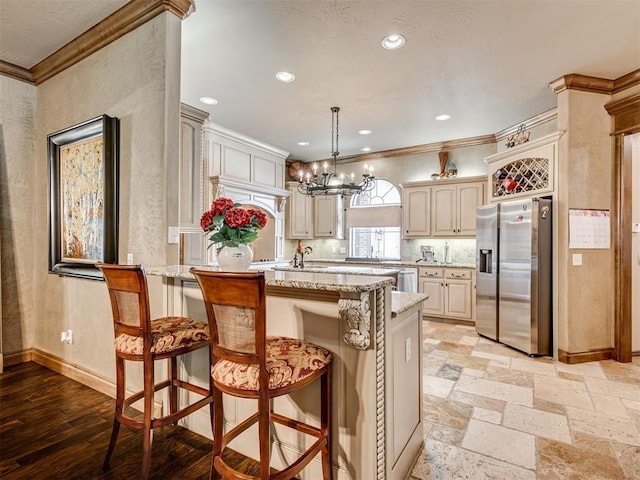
{"type": "Point", "coordinates": [373, 220]}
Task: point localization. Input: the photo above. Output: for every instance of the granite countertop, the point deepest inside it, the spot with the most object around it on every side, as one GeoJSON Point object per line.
{"type": "Point", "coordinates": [402, 301]}
{"type": "Point", "coordinates": [346, 269]}
{"type": "Point", "coordinates": [389, 263]}
{"type": "Point", "coordinates": [335, 282]}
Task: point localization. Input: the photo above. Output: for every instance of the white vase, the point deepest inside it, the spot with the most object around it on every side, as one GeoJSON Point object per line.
{"type": "Point", "coordinates": [235, 259]}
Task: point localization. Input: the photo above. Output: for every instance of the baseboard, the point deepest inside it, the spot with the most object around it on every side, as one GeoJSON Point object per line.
{"type": "Point", "coordinates": [74, 372]}
{"type": "Point", "coordinates": [17, 358]}
{"type": "Point", "coordinates": [453, 321]}
{"type": "Point", "coordinates": [587, 356]}
{"type": "Point", "coordinates": [636, 353]}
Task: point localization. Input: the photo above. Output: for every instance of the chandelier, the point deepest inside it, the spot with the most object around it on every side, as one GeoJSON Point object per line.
{"type": "Point", "coordinates": [330, 183]}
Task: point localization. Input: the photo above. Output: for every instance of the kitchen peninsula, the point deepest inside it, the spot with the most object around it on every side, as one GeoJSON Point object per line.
{"type": "Point", "coordinates": [375, 336]}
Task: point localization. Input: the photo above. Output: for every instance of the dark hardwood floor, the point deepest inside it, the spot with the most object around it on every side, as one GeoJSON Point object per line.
{"type": "Point", "coordinates": [52, 427]}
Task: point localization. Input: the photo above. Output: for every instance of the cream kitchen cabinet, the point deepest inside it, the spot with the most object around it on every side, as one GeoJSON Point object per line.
{"type": "Point", "coordinates": [431, 282]}
{"type": "Point", "coordinates": [450, 292]}
{"type": "Point", "coordinates": [299, 215]}
{"type": "Point", "coordinates": [416, 211]}
{"type": "Point", "coordinates": [328, 217]}
{"type": "Point", "coordinates": [454, 208]}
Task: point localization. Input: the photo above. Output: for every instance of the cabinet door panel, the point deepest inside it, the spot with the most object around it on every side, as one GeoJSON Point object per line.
{"type": "Point", "coordinates": [470, 196]}
{"type": "Point", "coordinates": [328, 215]}
{"type": "Point", "coordinates": [434, 305]}
{"type": "Point", "coordinates": [299, 219]}
{"type": "Point", "coordinates": [444, 211]}
{"type": "Point", "coordinates": [416, 212]}
{"type": "Point", "coordinates": [458, 298]}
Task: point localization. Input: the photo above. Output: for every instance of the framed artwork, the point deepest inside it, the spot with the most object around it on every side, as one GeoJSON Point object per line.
{"type": "Point", "coordinates": [83, 197]}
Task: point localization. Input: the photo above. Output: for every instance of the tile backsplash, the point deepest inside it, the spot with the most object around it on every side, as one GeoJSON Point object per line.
{"type": "Point", "coordinates": [461, 250]}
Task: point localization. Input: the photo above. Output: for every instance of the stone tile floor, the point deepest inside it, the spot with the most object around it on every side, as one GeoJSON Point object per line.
{"type": "Point", "coordinates": [491, 412]}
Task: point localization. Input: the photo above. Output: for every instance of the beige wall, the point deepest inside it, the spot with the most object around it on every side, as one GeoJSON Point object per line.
{"type": "Point", "coordinates": [585, 174]}
{"type": "Point", "coordinates": [17, 208]}
{"type": "Point", "coordinates": [135, 79]}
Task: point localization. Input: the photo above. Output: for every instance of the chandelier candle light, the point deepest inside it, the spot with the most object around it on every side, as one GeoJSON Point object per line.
{"type": "Point", "coordinates": [232, 228]}
{"type": "Point", "coordinates": [330, 183]}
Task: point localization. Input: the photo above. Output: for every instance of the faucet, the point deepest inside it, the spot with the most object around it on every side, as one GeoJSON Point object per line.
{"type": "Point", "coordinates": [299, 262]}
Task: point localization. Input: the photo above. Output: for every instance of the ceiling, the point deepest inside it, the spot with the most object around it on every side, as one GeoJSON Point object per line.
{"type": "Point", "coordinates": [487, 63]}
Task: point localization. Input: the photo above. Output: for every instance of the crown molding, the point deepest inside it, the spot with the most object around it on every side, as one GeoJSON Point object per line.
{"type": "Point", "coordinates": [428, 147]}
{"type": "Point", "coordinates": [17, 72]}
{"type": "Point", "coordinates": [532, 122]}
{"type": "Point", "coordinates": [626, 114]}
{"type": "Point", "coordinates": [586, 83]}
{"type": "Point", "coordinates": [629, 80]}
{"type": "Point", "coordinates": [122, 21]}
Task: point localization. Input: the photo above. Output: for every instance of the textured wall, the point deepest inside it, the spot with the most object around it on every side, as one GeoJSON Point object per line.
{"type": "Point", "coordinates": [135, 79]}
{"type": "Point", "coordinates": [585, 174]}
{"type": "Point", "coordinates": [17, 225]}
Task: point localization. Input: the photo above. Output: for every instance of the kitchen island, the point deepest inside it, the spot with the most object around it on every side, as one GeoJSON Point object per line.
{"type": "Point", "coordinates": [375, 336]}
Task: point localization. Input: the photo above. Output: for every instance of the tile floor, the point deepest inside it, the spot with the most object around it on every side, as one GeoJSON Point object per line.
{"type": "Point", "coordinates": [491, 412]}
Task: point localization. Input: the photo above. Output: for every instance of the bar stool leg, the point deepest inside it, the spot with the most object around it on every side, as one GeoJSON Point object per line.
{"type": "Point", "coordinates": [325, 422]}
{"type": "Point", "coordinates": [148, 415]}
{"type": "Point", "coordinates": [218, 425]}
{"type": "Point", "coordinates": [120, 392]}
{"type": "Point", "coordinates": [265, 434]}
{"type": "Point", "coordinates": [173, 389]}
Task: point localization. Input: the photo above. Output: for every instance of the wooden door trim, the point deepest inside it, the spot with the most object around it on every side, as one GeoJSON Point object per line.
{"type": "Point", "coordinates": [626, 116]}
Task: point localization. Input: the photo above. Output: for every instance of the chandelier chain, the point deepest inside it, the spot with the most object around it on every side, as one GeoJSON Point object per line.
{"type": "Point", "coordinates": [335, 129]}
{"type": "Point", "coordinates": [330, 183]}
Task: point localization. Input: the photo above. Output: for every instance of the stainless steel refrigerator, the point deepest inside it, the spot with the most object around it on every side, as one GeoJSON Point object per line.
{"type": "Point", "coordinates": [523, 282]}
{"type": "Point", "coordinates": [487, 271]}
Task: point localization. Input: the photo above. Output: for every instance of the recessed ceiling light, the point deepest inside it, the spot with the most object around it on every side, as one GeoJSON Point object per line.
{"type": "Point", "coordinates": [209, 100]}
{"type": "Point", "coordinates": [285, 77]}
{"type": "Point", "coordinates": [303, 144]}
{"type": "Point", "coordinates": [393, 41]}
{"type": "Point", "coordinates": [364, 132]}
{"type": "Point", "coordinates": [443, 117]}
{"type": "Point", "coordinates": [365, 149]}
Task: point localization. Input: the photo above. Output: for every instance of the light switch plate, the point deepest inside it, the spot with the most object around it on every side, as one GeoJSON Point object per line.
{"type": "Point", "coordinates": [635, 227]}
{"type": "Point", "coordinates": [174, 235]}
{"type": "Point", "coordinates": [577, 259]}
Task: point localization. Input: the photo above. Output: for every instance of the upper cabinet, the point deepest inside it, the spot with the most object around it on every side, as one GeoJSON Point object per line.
{"type": "Point", "coordinates": [416, 211]}
{"type": "Point", "coordinates": [454, 208]}
{"type": "Point", "coordinates": [249, 172]}
{"type": "Point", "coordinates": [299, 215]}
{"type": "Point", "coordinates": [191, 196]}
{"type": "Point", "coordinates": [314, 217]}
{"type": "Point", "coordinates": [328, 217]}
{"type": "Point", "coordinates": [442, 208]}
{"type": "Point", "coordinates": [524, 171]}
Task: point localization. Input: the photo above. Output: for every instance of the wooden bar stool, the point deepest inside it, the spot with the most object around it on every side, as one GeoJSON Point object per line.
{"type": "Point", "coordinates": [139, 338]}
{"type": "Point", "coordinates": [246, 363]}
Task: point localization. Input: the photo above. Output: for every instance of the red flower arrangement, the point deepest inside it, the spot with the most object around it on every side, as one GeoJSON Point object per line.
{"type": "Point", "coordinates": [230, 224]}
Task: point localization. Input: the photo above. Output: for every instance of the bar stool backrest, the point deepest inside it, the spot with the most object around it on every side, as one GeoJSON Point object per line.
{"type": "Point", "coordinates": [129, 296]}
{"type": "Point", "coordinates": [235, 304]}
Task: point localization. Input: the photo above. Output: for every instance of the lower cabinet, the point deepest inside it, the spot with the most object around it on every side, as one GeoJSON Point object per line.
{"type": "Point", "coordinates": [450, 292]}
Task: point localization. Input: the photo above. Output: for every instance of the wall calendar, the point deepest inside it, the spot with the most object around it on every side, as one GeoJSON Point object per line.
{"type": "Point", "coordinates": [589, 228]}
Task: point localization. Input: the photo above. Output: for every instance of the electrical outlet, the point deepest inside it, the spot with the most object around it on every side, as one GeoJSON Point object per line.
{"type": "Point", "coordinates": [129, 258]}
{"type": "Point", "coordinates": [577, 259]}
{"type": "Point", "coordinates": [66, 337]}
{"type": "Point", "coordinates": [174, 235]}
